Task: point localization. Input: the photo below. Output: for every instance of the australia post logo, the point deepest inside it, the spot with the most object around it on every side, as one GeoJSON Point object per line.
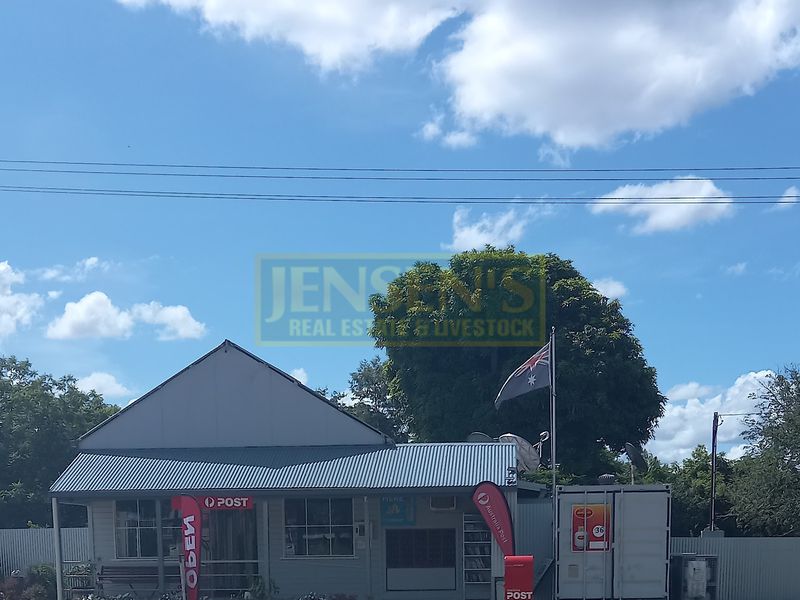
{"type": "Point", "coordinates": [227, 502]}
{"type": "Point", "coordinates": [518, 595]}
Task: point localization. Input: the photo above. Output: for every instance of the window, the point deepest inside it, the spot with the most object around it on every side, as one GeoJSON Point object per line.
{"type": "Point", "coordinates": [318, 526]}
{"type": "Point", "coordinates": [136, 529]}
{"type": "Point", "coordinates": [420, 548]}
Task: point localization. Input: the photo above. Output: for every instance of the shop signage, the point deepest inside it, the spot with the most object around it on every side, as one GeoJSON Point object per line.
{"type": "Point", "coordinates": [227, 502]}
{"type": "Point", "coordinates": [492, 505]}
{"type": "Point", "coordinates": [397, 510]}
{"type": "Point", "coordinates": [191, 536]}
{"type": "Point", "coordinates": [591, 527]}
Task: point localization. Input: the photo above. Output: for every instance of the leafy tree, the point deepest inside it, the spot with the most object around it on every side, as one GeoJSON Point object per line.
{"type": "Point", "coordinates": [374, 401]}
{"type": "Point", "coordinates": [607, 392]}
{"type": "Point", "coordinates": [767, 485]}
{"type": "Point", "coordinates": [40, 420]}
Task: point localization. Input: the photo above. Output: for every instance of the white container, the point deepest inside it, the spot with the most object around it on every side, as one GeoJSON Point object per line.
{"type": "Point", "coordinates": [613, 542]}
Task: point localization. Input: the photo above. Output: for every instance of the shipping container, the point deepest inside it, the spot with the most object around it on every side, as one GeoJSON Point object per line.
{"type": "Point", "coordinates": [613, 542]}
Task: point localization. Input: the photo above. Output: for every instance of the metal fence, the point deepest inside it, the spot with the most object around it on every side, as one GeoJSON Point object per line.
{"type": "Point", "coordinates": [750, 568]}
{"type": "Point", "coordinates": [24, 548]}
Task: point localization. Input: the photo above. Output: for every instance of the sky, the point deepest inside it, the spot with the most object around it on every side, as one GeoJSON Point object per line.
{"type": "Point", "coordinates": [123, 292]}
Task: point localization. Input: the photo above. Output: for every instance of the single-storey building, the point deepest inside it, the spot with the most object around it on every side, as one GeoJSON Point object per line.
{"type": "Point", "coordinates": [295, 493]}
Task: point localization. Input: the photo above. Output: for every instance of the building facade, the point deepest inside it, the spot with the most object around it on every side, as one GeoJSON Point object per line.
{"type": "Point", "coordinates": [297, 496]}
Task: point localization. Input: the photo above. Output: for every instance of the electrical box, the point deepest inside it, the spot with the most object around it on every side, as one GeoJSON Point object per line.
{"type": "Point", "coordinates": [694, 577]}
{"type": "Point", "coordinates": [613, 542]}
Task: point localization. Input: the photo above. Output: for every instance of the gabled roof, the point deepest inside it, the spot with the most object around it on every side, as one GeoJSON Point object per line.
{"type": "Point", "coordinates": [259, 470]}
{"type": "Point", "coordinates": [228, 398]}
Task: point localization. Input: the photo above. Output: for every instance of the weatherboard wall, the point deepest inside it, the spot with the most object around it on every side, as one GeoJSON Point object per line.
{"type": "Point", "coordinates": [230, 399]}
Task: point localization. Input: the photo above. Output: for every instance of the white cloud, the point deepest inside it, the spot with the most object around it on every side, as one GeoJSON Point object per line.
{"type": "Point", "coordinates": [737, 269]}
{"type": "Point", "coordinates": [558, 156]}
{"type": "Point", "coordinates": [610, 288]}
{"type": "Point", "coordinates": [177, 323]}
{"type": "Point", "coordinates": [498, 229]}
{"type": "Point", "coordinates": [300, 374]}
{"type": "Point", "coordinates": [77, 272]}
{"type": "Point", "coordinates": [16, 309]}
{"type": "Point", "coordinates": [685, 391]}
{"type": "Point", "coordinates": [333, 34]}
{"type": "Point", "coordinates": [585, 73]}
{"type": "Point", "coordinates": [789, 199]}
{"type": "Point", "coordinates": [432, 130]}
{"type": "Point", "coordinates": [54, 294]}
{"type": "Point", "coordinates": [581, 73]}
{"type": "Point", "coordinates": [104, 384]}
{"type": "Point", "coordinates": [459, 139]}
{"type": "Point", "coordinates": [653, 217]}
{"type": "Point", "coordinates": [95, 316]}
{"type": "Point", "coordinates": [686, 424]}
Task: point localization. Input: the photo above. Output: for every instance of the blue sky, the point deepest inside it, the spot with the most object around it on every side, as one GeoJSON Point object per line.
{"type": "Point", "coordinates": [711, 289]}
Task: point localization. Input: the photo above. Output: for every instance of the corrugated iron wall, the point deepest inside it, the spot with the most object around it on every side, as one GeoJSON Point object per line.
{"type": "Point", "coordinates": [534, 531]}
{"type": "Point", "coordinates": [751, 568]}
{"type": "Point", "coordinates": [24, 548]}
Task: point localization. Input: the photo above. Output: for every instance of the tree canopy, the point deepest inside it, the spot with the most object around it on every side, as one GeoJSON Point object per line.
{"type": "Point", "coordinates": [767, 485]}
{"type": "Point", "coordinates": [607, 393]}
{"type": "Point", "coordinates": [40, 420]}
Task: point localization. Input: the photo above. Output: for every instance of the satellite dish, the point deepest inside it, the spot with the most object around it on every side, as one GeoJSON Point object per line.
{"type": "Point", "coordinates": [478, 436]}
{"type": "Point", "coordinates": [637, 459]}
{"type": "Point", "coordinates": [528, 458]}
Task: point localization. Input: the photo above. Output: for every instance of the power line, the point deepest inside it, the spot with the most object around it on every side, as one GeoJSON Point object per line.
{"type": "Point", "coordinates": [291, 168]}
{"type": "Point", "coordinates": [425, 178]}
{"type": "Point", "coordinates": [765, 199]}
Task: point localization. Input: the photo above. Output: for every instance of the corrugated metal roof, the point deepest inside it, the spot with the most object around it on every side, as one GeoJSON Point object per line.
{"type": "Point", "coordinates": [446, 465]}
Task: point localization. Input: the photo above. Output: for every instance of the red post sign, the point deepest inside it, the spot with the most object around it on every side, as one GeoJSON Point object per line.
{"type": "Point", "coordinates": [518, 577]}
{"type": "Point", "coordinates": [492, 505]}
{"type": "Point", "coordinates": [227, 502]}
{"type": "Point", "coordinates": [591, 527]}
{"type": "Point", "coordinates": [192, 533]}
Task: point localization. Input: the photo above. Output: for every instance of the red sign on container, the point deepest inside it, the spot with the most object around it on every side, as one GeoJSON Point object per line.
{"type": "Point", "coordinates": [591, 527]}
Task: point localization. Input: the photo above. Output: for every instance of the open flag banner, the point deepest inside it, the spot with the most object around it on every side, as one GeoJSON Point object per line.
{"type": "Point", "coordinates": [533, 374]}
{"type": "Point", "coordinates": [492, 504]}
{"type": "Point", "coordinates": [191, 535]}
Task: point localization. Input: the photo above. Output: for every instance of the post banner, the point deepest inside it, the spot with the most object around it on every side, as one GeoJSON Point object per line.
{"type": "Point", "coordinates": [492, 505]}
{"type": "Point", "coordinates": [192, 534]}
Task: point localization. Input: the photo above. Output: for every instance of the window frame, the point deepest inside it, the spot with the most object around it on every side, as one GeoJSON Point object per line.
{"type": "Point", "coordinates": [138, 528]}
{"type": "Point", "coordinates": [330, 525]}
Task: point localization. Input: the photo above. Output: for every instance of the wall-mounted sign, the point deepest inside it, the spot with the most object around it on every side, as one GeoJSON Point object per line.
{"type": "Point", "coordinates": [591, 527]}
{"type": "Point", "coordinates": [397, 510]}
{"type": "Point", "coordinates": [226, 502]}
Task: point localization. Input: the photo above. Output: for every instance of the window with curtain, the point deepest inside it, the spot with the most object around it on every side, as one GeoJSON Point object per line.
{"type": "Point", "coordinates": [318, 527]}
{"type": "Point", "coordinates": [136, 529]}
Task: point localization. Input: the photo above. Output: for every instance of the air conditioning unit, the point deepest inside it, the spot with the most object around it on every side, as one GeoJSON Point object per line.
{"type": "Point", "coordinates": [440, 503]}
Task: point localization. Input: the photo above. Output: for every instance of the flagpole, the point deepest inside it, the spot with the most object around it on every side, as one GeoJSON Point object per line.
{"type": "Point", "coordinates": [553, 462]}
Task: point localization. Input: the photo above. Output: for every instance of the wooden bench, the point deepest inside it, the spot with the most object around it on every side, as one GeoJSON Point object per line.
{"type": "Point", "coordinates": [137, 576]}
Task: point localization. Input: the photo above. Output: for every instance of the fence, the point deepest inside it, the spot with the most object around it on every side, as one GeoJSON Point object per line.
{"type": "Point", "coordinates": [23, 548]}
{"type": "Point", "coordinates": [751, 568]}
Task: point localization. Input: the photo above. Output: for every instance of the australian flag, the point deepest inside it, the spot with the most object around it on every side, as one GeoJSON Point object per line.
{"type": "Point", "coordinates": [533, 374]}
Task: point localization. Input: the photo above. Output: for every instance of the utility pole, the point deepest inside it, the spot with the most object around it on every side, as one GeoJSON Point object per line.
{"type": "Point", "coordinates": [714, 428]}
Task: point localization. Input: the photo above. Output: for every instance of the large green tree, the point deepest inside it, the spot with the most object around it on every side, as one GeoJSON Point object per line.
{"type": "Point", "coordinates": [766, 490]}
{"type": "Point", "coordinates": [40, 420]}
{"type": "Point", "coordinates": [607, 392]}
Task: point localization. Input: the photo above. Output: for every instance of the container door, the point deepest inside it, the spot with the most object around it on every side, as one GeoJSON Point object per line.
{"type": "Point", "coordinates": [641, 544]}
{"type": "Point", "coordinates": [584, 548]}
